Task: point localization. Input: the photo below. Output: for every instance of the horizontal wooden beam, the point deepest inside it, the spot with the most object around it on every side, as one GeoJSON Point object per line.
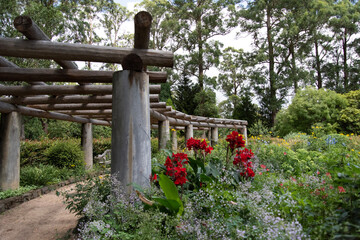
{"type": "Point", "coordinates": [66, 99]}
{"type": "Point", "coordinates": [31, 31]}
{"type": "Point", "coordinates": [64, 89]}
{"type": "Point", "coordinates": [11, 74]}
{"type": "Point", "coordinates": [6, 108]}
{"type": "Point", "coordinates": [81, 52]}
{"type": "Point", "coordinates": [84, 106]}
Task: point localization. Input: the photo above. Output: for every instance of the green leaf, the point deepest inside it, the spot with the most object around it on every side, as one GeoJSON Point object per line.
{"type": "Point", "coordinates": [170, 191]}
{"type": "Point", "coordinates": [173, 205]}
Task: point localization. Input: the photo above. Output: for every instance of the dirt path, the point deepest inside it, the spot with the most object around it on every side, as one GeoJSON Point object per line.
{"type": "Point", "coordinates": [42, 218]}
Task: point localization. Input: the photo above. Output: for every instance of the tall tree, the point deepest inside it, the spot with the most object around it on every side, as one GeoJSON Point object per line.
{"type": "Point", "coordinates": [262, 20]}
{"type": "Point", "coordinates": [200, 21]}
{"type": "Point", "coordinates": [345, 25]}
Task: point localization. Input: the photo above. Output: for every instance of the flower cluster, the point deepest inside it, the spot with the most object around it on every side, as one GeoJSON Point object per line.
{"type": "Point", "coordinates": [175, 169]}
{"type": "Point", "coordinates": [196, 145]}
{"type": "Point", "coordinates": [235, 140]}
{"type": "Point", "coordinates": [242, 160]}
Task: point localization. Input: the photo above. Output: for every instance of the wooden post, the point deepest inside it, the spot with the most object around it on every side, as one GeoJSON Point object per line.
{"type": "Point", "coordinates": [174, 139]}
{"type": "Point", "coordinates": [189, 131]}
{"type": "Point", "coordinates": [164, 135]}
{"type": "Point", "coordinates": [87, 144]}
{"type": "Point", "coordinates": [203, 135]}
{"type": "Point", "coordinates": [10, 128]}
{"type": "Point", "coordinates": [214, 136]}
{"type": "Point", "coordinates": [131, 143]}
{"type": "Point", "coordinates": [209, 135]}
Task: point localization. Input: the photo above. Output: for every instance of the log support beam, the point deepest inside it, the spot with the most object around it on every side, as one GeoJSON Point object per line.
{"type": "Point", "coordinates": [10, 129]}
{"type": "Point", "coordinates": [87, 144]}
{"type": "Point", "coordinates": [214, 136]}
{"type": "Point", "coordinates": [164, 135]}
{"type": "Point", "coordinates": [131, 144]}
{"type": "Point", "coordinates": [174, 143]}
{"type": "Point", "coordinates": [189, 131]}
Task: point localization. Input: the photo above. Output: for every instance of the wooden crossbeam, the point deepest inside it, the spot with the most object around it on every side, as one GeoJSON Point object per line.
{"type": "Point", "coordinates": [66, 99]}
{"type": "Point", "coordinates": [80, 52]}
{"type": "Point", "coordinates": [66, 75]}
{"type": "Point", "coordinates": [85, 106]}
{"type": "Point", "coordinates": [6, 108]}
{"type": "Point", "coordinates": [64, 89]}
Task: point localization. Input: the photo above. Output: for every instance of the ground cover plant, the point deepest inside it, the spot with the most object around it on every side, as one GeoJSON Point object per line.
{"type": "Point", "coordinates": [300, 187]}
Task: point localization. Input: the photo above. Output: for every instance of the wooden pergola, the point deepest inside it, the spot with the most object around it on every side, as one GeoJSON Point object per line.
{"type": "Point", "coordinates": [127, 100]}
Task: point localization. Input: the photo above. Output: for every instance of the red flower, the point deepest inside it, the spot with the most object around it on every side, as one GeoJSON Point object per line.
{"type": "Point", "coordinates": [208, 150]}
{"type": "Point", "coordinates": [153, 178]}
{"type": "Point", "coordinates": [235, 140]}
{"type": "Point", "coordinates": [175, 169]}
{"type": "Point", "coordinates": [341, 189]}
{"type": "Point", "coordinates": [262, 166]}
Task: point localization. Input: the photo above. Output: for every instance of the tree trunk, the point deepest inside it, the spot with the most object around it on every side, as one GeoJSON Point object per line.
{"type": "Point", "coordinates": [318, 66]}
{"type": "Point", "coordinates": [346, 80]}
{"type": "Point", "coordinates": [271, 67]}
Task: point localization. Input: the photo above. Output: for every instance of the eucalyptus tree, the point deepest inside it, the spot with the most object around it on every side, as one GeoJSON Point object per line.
{"type": "Point", "coordinates": [345, 24]}
{"type": "Point", "coordinates": [199, 22]}
{"type": "Point", "coordinates": [263, 20]}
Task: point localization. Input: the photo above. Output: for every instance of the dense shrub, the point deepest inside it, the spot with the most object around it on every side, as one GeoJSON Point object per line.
{"type": "Point", "coordinates": [64, 129]}
{"type": "Point", "coordinates": [42, 175]}
{"type": "Point", "coordinates": [33, 128]}
{"type": "Point", "coordinates": [65, 154]}
{"type": "Point", "coordinates": [33, 152]}
{"type": "Point", "coordinates": [310, 106]}
{"type": "Point", "coordinates": [349, 119]}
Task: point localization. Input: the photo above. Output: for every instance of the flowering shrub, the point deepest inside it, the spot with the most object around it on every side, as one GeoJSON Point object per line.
{"type": "Point", "coordinates": [235, 140]}
{"type": "Point", "coordinates": [175, 169]}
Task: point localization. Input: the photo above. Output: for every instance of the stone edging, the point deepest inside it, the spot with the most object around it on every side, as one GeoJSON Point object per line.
{"type": "Point", "coordinates": [11, 202]}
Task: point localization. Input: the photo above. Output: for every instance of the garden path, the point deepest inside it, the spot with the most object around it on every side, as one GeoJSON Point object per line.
{"type": "Point", "coordinates": [43, 218]}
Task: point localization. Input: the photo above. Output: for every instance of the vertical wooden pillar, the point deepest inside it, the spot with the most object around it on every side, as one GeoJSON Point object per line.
{"type": "Point", "coordinates": [203, 135]}
{"type": "Point", "coordinates": [209, 135]}
{"type": "Point", "coordinates": [189, 132]}
{"type": "Point", "coordinates": [214, 136]}
{"type": "Point", "coordinates": [87, 144]}
{"type": "Point", "coordinates": [245, 134]}
{"type": "Point", "coordinates": [131, 143]}
{"type": "Point", "coordinates": [164, 135]}
{"type": "Point", "coordinates": [10, 130]}
{"type": "Point", "coordinates": [174, 140]}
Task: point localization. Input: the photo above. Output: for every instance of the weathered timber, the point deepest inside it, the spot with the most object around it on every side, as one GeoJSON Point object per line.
{"type": "Point", "coordinates": [10, 128]}
{"type": "Point", "coordinates": [6, 64]}
{"type": "Point", "coordinates": [132, 62]}
{"type": "Point", "coordinates": [7, 108]}
{"type": "Point", "coordinates": [66, 99]}
{"type": "Point", "coordinates": [131, 143]}
{"type": "Point", "coordinates": [174, 142]}
{"type": "Point", "coordinates": [86, 112]}
{"type": "Point", "coordinates": [87, 144]}
{"type": "Point", "coordinates": [31, 30]}
{"type": "Point", "coordinates": [81, 52]}
{"type": "Point", "coordinates": [63, 89]}
{"type": "Point", "coordinates": [214, 136]}
{"type": "Point", "coordinates": [142, 24]}
{"type": "Point", "coordinates": [189, 132]}
{"type": "Point", "coordinates": [163, 134]}
{"type": "Point", "coordinates": [11, 74]}
{"type": "Point", "coordinates": [82, 106]}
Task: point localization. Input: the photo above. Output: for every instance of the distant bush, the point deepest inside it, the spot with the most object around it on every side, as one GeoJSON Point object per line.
{"type": "Point", "coordinates": [65, 154]}
{"type": "Point", "coordinates": [349, 117]}
{"type": "Point", "coordinates": [309, 107]}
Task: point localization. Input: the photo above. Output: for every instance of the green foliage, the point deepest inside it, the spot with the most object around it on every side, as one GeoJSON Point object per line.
{"type": "Point", "coordinates": [184, 96]}
{"type": "Point", "coordinates": [33, 128]}
{"type": "Point", "coordinates": [310, 106]}
{"type": "Point", "coordinates": [42, 175]}
{"type": "Point", "coordinates": [17, 192]}
{"type": "Point", "coordinates": [206, 103]}
{"type": "Point", "coordinates": [65, 154]}
{"type": "Point", "coordinates": [258, 128]}
{"type": "Point", "coordinates": [101, 131]}
{"type": "Point", "coordinates": [349, 116]}
{"type": "Point", "coordinates": [33, 152]}
{"type": "Point", "coordinates": [64, 129]}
